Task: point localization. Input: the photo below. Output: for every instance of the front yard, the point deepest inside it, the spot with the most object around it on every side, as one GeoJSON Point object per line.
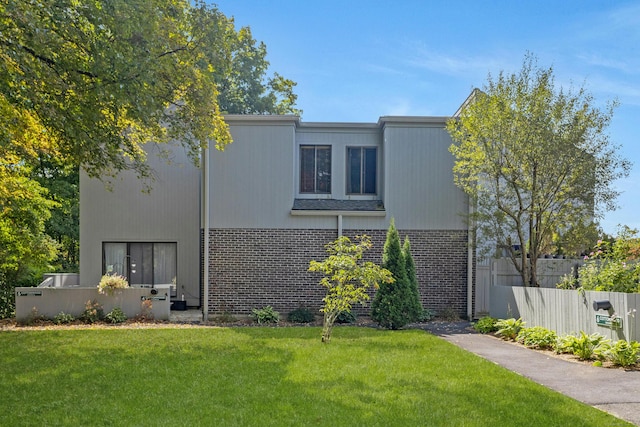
{"type": "Point", "coordinates": [265, 376]}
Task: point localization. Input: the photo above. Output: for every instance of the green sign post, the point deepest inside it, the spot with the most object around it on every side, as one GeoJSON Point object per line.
{"type": "Point", "coordinates": [613, 322]}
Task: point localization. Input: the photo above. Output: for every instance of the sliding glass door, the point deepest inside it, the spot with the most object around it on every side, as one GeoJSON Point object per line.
{"type": "Point", "coordinates": [142, 263]}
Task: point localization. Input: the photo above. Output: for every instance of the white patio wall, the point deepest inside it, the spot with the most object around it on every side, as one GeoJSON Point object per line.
{"type": "Point", "coordinates": [49, 302]}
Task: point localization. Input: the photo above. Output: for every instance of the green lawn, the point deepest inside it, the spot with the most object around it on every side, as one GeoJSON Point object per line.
{"type": "Point", "coordinates": [266, 376]}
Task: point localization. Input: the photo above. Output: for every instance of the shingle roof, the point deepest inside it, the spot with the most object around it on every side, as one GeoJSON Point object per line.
{"type": "Point", "coordinates": [337, 205]}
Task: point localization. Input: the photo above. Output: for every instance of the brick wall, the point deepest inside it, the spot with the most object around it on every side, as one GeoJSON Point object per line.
{"type": "Point", "coordinates": [253, 268]}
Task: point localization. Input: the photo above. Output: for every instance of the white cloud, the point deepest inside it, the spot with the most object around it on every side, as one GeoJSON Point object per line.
{"type": "Point", "coordinates": [625, 17]}
{"type": "Point", "coordinates": [376, 68]}
{"type": "Point", "coordinates": [627, 92]}
{"type": "Point", "coordinates": [625, 66]}
{"type": "Point", "coordinates": [462, 64]}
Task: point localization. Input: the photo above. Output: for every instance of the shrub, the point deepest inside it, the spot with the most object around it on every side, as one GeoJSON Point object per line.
{"type": "Point", "coordinates": [116, 316]}
{"type": "Point", "coordinates": [146, 311]}
{"type": "Point", "coordinates": [346, 317]}
{"type": "Point", "coordinates": [413, 299]}
{"type": "Point", "coordinates": [564, 344]}
{"type": "Point", "coordinates": [63, 318]}
{"type": "Point", "coordinates": [611, 267]}
{"type": "Point", "coordinates": [486, 325]}
{"type": "Point", "coordinates": [569, 280]}
{"type": "Point", "coordinates": [537, 337]}
{"type": "Point", "coordinates": [7, 300]}
{"type": "Point", "coordinates": [111, 283]}
{"type": "Point", "coordinates": [301, 315]}
{"type": "Point", "coordinates": [426, 315]}
{"type": "Point", "coordinates": [449, 314]}
{"type": "Point", "coordinates": [394, 305]}
{"type": "Point", "coordinates": [265, 315]}
{"type": "Point", "coordinates": [225, 317]}
{"type": "Point", "coordinates": [622, 353]}
{"type": "Point", "coordinates": [34, 317]}
{"type": "Point", "coordinates": [585, 346]}
{"type": "Point", "coordinates": [509, 328]}
{"type": "Point", "coordinates": [92, 313]}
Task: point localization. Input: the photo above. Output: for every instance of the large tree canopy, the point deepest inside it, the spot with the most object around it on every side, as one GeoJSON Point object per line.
{"type": "Point", "coordinates": [105, 77]}
{"type": "Point", "coordinates": [87, 83]}
{"type": "Point", "coordinates": [535, 161]}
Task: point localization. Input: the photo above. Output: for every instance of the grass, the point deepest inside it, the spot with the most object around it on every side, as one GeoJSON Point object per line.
{"type": "Point", "coordinates": [264, 377]}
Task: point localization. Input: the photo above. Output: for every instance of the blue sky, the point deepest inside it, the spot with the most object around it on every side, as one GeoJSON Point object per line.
{"type": "Point", "coordinates": [355, 61]}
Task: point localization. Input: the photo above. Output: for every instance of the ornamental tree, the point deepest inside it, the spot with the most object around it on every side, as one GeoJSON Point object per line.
{"type": "Point", "coordinates": [346, 278]}
{"type": "Point", "coordinates": [535, 161]}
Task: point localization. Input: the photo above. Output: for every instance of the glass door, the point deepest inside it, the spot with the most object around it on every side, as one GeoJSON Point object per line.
{"type": "Point", "coordinates": [142, 263]}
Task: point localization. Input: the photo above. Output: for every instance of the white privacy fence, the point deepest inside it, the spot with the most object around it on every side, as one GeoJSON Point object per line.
{"type": "Point", "coordinates": [550, 271]}
{"type": "Point", "coordinates": [501, 272]}
{"type": "Point", "coordinates": [569, 311]}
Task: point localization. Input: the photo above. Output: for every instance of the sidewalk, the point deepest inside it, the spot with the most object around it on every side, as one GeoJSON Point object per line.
{"type": "Point", "coordinates": [612, 390]}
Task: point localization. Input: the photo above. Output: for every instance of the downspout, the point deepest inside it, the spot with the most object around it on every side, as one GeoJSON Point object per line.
{"type": "Point", "coordinates": [339, 225]}
{"type": "Point", "coordinates": [470, 249]}
{"type": "Point", "coordinates": [205, 226]}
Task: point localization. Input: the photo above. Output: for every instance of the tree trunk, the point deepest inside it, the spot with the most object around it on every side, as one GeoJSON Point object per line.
{"type": "Point", "coordinates": [327, 325]}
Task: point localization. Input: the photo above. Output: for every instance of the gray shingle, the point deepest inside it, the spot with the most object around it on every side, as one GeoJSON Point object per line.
{"type": "Point", "coordinates": [337, 205]}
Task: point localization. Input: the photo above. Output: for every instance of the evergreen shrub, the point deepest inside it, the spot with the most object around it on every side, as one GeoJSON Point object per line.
{"type": "Point", "coordinates": [397, 304]}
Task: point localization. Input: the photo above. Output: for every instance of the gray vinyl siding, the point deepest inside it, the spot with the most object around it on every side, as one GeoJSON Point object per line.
{"type": "Point", "coordinates": [169, 213]}
{"type": "Point", "coordinates": [420, 192]}
{"type": "Point", "coordinates": [252, 181]}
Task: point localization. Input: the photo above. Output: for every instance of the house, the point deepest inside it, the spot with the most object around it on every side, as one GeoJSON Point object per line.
{"type": "Point", "coordinates": [270, 202]}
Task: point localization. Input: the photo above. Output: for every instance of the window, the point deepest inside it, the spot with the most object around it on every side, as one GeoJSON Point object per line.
{"type": "Point", "coordinates": [315, 169]}
{"type": "Point", "coordinates": [143, 264]}
{"type": "Point", "coordinates": [361, 170]}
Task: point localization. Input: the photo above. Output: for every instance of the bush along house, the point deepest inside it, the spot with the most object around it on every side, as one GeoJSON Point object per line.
{"type": "Point", "coordinates": [238, 233]}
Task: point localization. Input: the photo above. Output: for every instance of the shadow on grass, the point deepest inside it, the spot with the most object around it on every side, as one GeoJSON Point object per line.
{"type": "Point", "coordinates": [266, 376]}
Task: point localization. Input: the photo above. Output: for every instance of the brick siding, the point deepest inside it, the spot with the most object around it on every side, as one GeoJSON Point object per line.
{"type": "Point", "coordinates": [253, 268]}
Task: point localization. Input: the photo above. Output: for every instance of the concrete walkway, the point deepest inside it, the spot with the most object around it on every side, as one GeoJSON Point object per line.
{"type": "Point", "coordinates": [612, 390]}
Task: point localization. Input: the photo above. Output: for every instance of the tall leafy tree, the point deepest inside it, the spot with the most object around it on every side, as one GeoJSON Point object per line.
{"type": "Point", "coordinates": [104, 78]}
{"type": "Point", "coordinates": [241, 66]}
{"type": "Point", "coordinates": [24, 205]}
{"type": "Point", "coordinates": [62, 183]}
{"type": "Point", "coordinates": [86, 84]}
{"type": "Point", "coordinates": [535, 161]}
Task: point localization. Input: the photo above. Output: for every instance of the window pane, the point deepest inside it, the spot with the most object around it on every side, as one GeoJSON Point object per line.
{"type": "Point", "coordinates": [141, 263]}
{"type": "Point", "coordinates": [323, 169]}
{"type": "Point", "coordinates": [165, 265]}
{"type": "Point", "coordinates": [315, 169]}
{"type": "Point", "coordinates": [307, 169]}
{"type": "Point", "coordinates": [355, 161]}
{"type": "Point", "coordinates": [370, 162]}
{"type": "Point", "coordinates": [115, 258]}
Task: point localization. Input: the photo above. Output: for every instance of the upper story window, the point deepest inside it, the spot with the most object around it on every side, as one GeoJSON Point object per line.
{"type": "Point", "coordinates": [315, 169]}
{"type": "Point", "coordinates": [361, 170]}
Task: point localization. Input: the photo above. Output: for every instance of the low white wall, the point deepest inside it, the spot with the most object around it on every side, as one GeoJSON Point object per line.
{"type": "Point", "coordinates": [51, 301]}
{"type": "Point", "coordinates": [567, 311]}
